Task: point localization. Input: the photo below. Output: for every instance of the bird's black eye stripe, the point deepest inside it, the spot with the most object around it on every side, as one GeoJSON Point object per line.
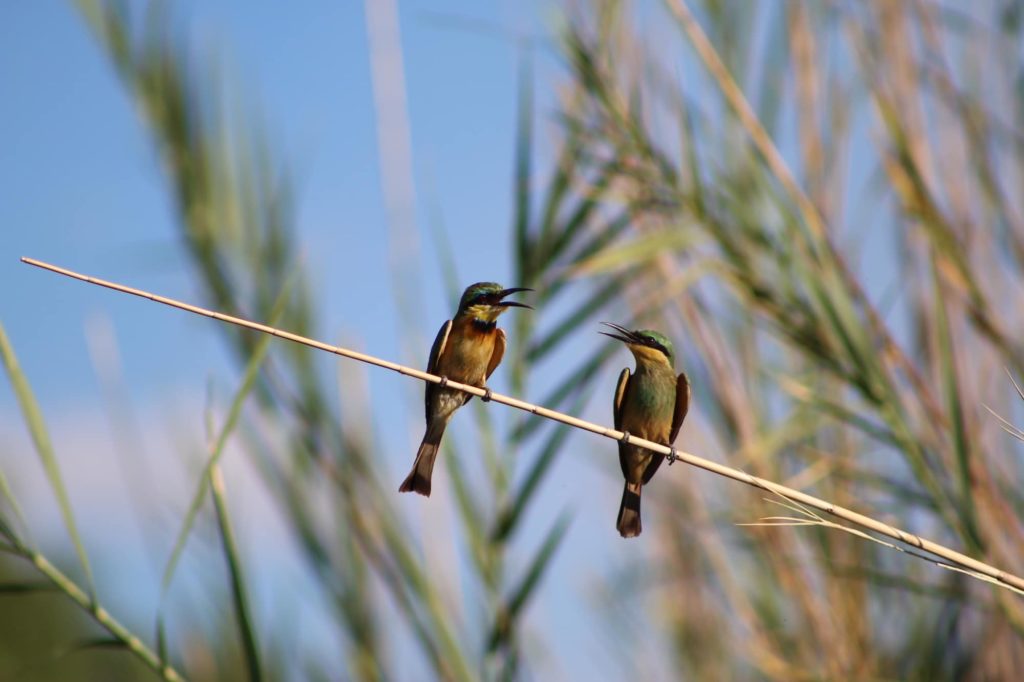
{"type": "Point", "coordinates": [657, 346]}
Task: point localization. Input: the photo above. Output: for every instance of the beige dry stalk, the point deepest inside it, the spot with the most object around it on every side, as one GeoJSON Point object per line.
{"type": "Point", "coordinates": [972, 566]}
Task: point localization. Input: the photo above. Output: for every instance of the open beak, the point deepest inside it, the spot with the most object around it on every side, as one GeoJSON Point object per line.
{"type": "Point", "coordinates": [512, 304]}
{"type": "Point", "coordinates": [624, 335]}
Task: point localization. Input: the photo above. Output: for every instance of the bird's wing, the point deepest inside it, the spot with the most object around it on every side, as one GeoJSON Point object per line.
{"type": "Point", "coordinates": [682, 406]}
{"type": "Point", "coordinates": [498, 353]}
{"type": "Point", "coordinates": [435, 353]}
{"type": "Point", "coordinates": [620, 396]}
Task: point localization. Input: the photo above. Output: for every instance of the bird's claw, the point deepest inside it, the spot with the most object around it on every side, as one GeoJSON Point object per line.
{"type": "Point", "coordinates": [486, 397]}
{"type": "Point", "coordinates": [443, 382]}
{"type": "Point", "coordinates": [625, 437]}
{"type": "Point", "coordinates": [672, 455]}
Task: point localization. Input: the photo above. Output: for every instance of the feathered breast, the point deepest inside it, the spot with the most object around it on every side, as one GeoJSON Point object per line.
{"type": "Point", "coordinates": [468, 351]}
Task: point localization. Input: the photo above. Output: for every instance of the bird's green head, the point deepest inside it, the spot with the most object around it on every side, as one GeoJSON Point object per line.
{"type": "Point", "coordinates": [484, 301]}
{"type": "Point", "coordinates": [646, 344]}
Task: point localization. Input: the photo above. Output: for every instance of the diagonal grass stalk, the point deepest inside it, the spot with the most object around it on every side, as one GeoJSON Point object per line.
{"type": "Point", "coordinates": [60, 581]}
{"type": "Point", "coordinates": [41, 438]}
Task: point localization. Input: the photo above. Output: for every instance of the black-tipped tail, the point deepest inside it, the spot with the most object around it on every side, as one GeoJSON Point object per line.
{"type": "Point", "coordinates": [418, 480]}
{"type": "Point", "coordinates": [629, 511]}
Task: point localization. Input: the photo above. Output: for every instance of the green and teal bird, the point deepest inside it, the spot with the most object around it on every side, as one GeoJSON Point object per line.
{"type": "Point", "coordinates": [650, 404]}
{"type": "Point", "coordinates": [466, 350]}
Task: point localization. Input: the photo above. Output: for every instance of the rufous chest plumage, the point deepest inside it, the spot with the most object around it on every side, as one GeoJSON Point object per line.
{"type": "Point", "coordinates": [468, 351]}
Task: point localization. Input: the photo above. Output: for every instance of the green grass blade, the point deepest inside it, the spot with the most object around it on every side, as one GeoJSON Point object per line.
{"type": "Point", "coordinates": [8, 494]}
{"type": "Point", "coordinates": [509, 518]}
{"type": "Point", "coordinates": [520, 596]}
{"type": "Point", "coordinates": [41, 438]}
{"type": "Point", "coordinates": [951, 388]}
{"type": "Point", "coordinates": [577, 381]}
{"type": "Point", "coordinates": [572, 322]}
{"type": "Point", "coordinates": [239, 596]}
{"type": "Point", "coordinates": [637, 252]}
{"type": "Point", "coordinates": [248, 381]}
{"type": "Point", "coordinates": [523, 165]}
{"type": "Point", "coordinates": [469, 511]}
{"type": "Point", "coordinates": [26, 587]}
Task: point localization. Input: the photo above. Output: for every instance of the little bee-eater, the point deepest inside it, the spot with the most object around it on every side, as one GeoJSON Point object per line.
{"type": "Point", "coordinates": [466, 350]}
{"type": "Point", "coordinates": [650, 404]}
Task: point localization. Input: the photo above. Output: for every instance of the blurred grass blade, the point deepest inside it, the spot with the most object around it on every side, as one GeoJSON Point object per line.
{"type": "Point", "coordinates": [951, 389]}
{"type": "Point", "coordinates": [523, 165]}
{"type": "Point", "coordinates": [577, 381]}
{"type": "Point", "coordinates": [239, 594]}
{"type": "Point", "coordinates": [217, 449]}
{"type": "Point", "coordinates": [97, 643]}
{"type": "Point", "coordinates": [572, 322]}
{"type": "Point", "coordinates": [41, 438]}
{"type": "Point", "coordinates": [8, 494]}
{"type": "Point", "coordinates": [637, 252]}
{"type": "Point", "coordinates": [9, 588]}
{"type": "Point", "coordinates": [506, 619]}
{"type": "Point", "coordinates": [510, 517]}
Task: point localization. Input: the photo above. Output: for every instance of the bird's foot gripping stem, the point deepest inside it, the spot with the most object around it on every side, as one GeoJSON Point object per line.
{"type": "Point", "coordinates": [625, 438]}
{"type": "Point", "coordinates": [443, 382]}
{"type": "Point", "coordinates": [486, 397]}
{"type": "Point", "coordinates": [672, 455]}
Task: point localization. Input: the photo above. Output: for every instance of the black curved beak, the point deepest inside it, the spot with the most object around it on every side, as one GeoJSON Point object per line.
{"type": "Point", "coordinates": [512, 304]}
{"type": "Point", "coordinates": [624, 335]}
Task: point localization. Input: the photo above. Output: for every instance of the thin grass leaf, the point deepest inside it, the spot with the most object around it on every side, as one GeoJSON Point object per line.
{"type": "Point", "coordinates": [41, 438]}
{"type": "Point", "coordinates": [26, 587]}
{"type": "Point", "coordinates": [239, 594]}
{"type": "Point", "coordinates": [437, 632]}
{"type": "Point", "coordinates": [510, 517]}
{"type": "Point", "coordinates": [93, 643]}
{"type": "Point", "coordinates": [951, 388]}
{"type": "Point", "coordinates": [602, 236]}
{"type": "Point", "coordinates": [543, 251]}
{"type": "Point", "coordinates": [470, 513]}
{"type": "Point", "coordinates": [60, 582]}
{"type": "Point", "coordinates": [836, 410]}
{"type": "Point", "coordinates": [248, 380]}
{"type": "Point", "coordinates": [7, 494]}
{"type": "Point", "coordinates": [558, 237]}
{"type": "Point", "coordinates": [577, 381]}
{"type": "Point", "coordinates": [571, 322]}
{"type": "Point", "coordinates": [637, 252]}
{"type": "Point", "coordinates": [522, 207]}
{"type": "Point", "coordinates": [505, 621]}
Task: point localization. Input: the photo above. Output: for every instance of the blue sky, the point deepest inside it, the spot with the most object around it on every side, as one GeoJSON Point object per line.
{"type": "Point", "coordinates": [80, 186]}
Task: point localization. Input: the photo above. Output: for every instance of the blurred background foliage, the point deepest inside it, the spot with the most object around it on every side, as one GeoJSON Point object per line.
{"type": "Point", "coordinates": [818, 201]}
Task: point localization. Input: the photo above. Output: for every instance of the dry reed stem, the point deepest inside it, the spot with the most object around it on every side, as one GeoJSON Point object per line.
{"type": "Point", "coordinates": [997, 576]}
{"type": "Point", "coordinates": [812, 218]}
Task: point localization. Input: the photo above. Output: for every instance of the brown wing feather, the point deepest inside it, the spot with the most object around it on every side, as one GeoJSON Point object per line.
{"type": "Point", "coordinates": [682, 406]}
{"type": "Point", "coordinates": [620, 398]}
{"type": "Point", "coordinates": [620, 395]}
{"type": "Point", "coordinates": [440, 342]}
{"type": "Point", "coordinates": [498, 353]}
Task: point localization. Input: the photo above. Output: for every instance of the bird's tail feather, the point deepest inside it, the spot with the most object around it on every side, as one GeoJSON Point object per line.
{"type": "Point", "coordinates": [629, 511]}
{"type": "Point", "coordinates": [418, 480]}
